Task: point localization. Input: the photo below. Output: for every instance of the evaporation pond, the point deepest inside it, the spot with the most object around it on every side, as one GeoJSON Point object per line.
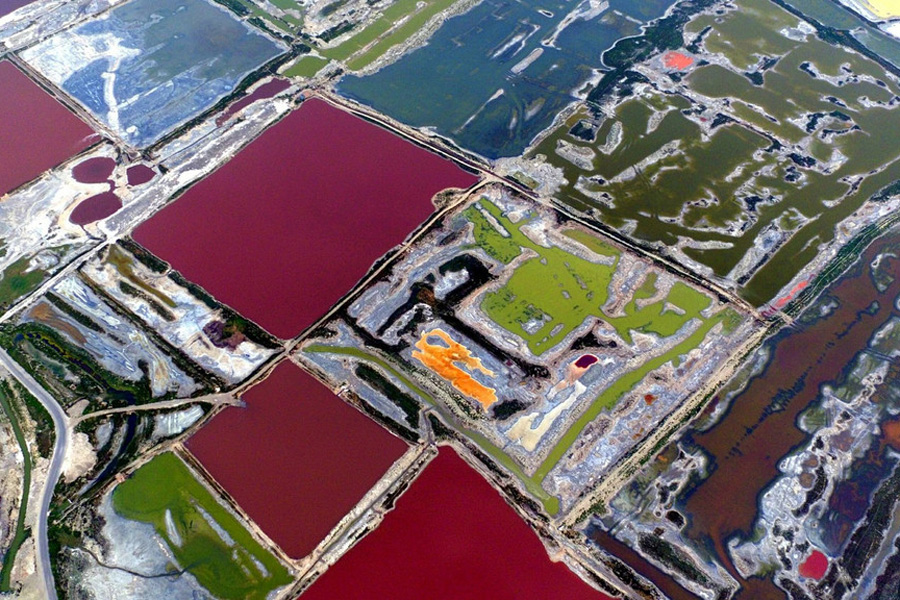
{"type": "Point", "coordinates": [36, 131]}
{"type": "Point", "coordinates": [495, 76]}
{"type": "Point", "coordinates": [147, 66]}
{"type": "Point", "coordinates": [295, 219]}
{"type": "Point", "coordinates": [296, 458]}
{"type": "Point", "coordinates": [451, 536]}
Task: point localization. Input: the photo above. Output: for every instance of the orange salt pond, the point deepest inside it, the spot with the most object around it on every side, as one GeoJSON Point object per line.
{"type": "Point", "coordinates": [442, 357]}
{"type": "Point", "coordinates": [677, 60]}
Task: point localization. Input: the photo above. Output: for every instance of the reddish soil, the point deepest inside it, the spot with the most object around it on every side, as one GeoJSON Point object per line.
{"type": "Point", "coordinates": [451, 537]}
{"type": "Point", "coordinates": [95, 208]}
{"type": "Point", "coordinates": [36, 131]}
{"type": "Point", "coordinates": [292, 222]}
{"type": "Point", "coordinates": [139, 174]}
{"type": "Point", "coordinates": [296, 458]}
{"type": "Point", "coordinates": [814, 566]}
{"type": "Point", "coordinates": [94, 170]}
{"type": "Point", "coordinates": [677, 60]}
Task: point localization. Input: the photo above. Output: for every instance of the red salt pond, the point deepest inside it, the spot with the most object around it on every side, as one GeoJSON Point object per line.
{"type": "Point", "coordinates": [814, 566]}
{"type": "Point", "coordinates": [266, 90]}
{"type": "Point", "coordinates": [94, 170]}
{"type": "Point", "coordinates": [585, 361]}
{"type": "Point", "coordinates": [450, 537]}
{"type": "Point", "coordinates": [296, 458]}
{"type": "Point", "coordinates": [139, 174]}
{"type": "Point", "coordinates": [95, 208]}
{"type": "Point", "coordinates": [292, 222]}
{"type": "Point", "coordinates": [677, 60]}
{"type": "Point", "coordinates": [36, 131]}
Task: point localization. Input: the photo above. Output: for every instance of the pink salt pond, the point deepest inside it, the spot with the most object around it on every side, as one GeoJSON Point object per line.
{"type": "Point", "coordinates": [95, 208]}
{"type": "Point", "coordinates": [140, 174]}
{"type": "Point", "coordinates": [94, 170]}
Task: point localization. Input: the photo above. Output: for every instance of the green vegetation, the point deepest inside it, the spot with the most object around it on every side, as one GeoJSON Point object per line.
{"type": "Point", "coordinates": [383, 385]}
{"type": "Point", "coordinates": [45, 430]}
{"type": "Point", "coordinates": [18, 280]}
{"type": "Point", "coordinates": [236, 568]}
{"type": "Point", "coordinates": [69, 372]}
{"type": "Point", "coordinates": [398, 34]}
{"type": "Point", "coordinates": [607, 399]}
{"type": "Point", "coordinates": [7, 401]}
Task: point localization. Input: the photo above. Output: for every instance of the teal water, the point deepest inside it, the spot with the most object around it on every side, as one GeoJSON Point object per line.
{"type": "Point", "coordinates": [462, 83]}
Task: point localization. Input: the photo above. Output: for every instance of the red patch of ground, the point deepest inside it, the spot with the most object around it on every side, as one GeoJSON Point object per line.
{"type": "Point", "coordinates": [677, 60]}
{"type": "Point", "coordinates": [36, 131]}
{"type": "Point", "coordinates": [451, 537]}
{"type": "Point", "coordinates": [139, 174]}
{"type": "Point", "coordinates": [815, 565]}
{"type": "Point", "coordinates": [296, 458]}
{"type": "Point", "coordinates": [292, 222]}
{"type": "Point", "coordinates": [95, 208]}
{"type": "Point", "coordinates": [94, 170]}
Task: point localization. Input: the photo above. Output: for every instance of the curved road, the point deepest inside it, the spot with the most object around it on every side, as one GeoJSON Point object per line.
{"type": "Point", "coordinates": [61, 424]}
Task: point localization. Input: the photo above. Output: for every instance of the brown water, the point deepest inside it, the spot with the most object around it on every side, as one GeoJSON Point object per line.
{"type": "Point", "coordinates": [760, 429]}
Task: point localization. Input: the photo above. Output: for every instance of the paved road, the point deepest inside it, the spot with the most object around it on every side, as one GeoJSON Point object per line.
{"type": "Point", "coordinates": [61, 424]}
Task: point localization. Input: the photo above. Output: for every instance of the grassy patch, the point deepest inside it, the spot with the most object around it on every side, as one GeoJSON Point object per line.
{"type": "Point", "coordinates": [7, 398]}
{"type": "Point", "coordinates": [235, 568]}
{"type": "Point", "coordinates": [306, 66]}
{"type": "Point", "coordinates": [18, 281]}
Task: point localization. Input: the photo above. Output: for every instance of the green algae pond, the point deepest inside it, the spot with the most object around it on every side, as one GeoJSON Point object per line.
{"type": "Point", "coordinates": [718, 190]}
{"type": "Point", "coordinates": [206, 539]}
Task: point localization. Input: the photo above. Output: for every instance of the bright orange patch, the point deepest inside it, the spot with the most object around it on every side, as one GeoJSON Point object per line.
{"type": "Point", "coordinates": [677, 60]}
{"type": "Point", "coordinates": [443, 359]}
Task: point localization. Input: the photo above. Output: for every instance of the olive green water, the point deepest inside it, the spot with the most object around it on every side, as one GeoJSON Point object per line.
{"type": "Point", "coordinates": [699, 189]}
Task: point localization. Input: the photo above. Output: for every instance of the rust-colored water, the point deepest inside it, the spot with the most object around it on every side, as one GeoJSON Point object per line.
{"type": "Point", "coordinates": [451, 537]}
{"type": "Point", "coordinates": [36, 131]}
{"type": "Point", "coordinates": [446, 357]}
{"type": "Point", "coordinates": [677, 60]}
{"type": "Point", "coordinates": [296, 458]}
{"type": "Point", "coordinates": [760, 426]}
{"type": "Point", "coordinates": [292, 222]}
